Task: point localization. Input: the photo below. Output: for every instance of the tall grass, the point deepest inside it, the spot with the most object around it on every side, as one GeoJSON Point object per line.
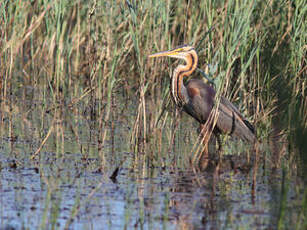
{"type": "Point", "coordinates": [94, 53]}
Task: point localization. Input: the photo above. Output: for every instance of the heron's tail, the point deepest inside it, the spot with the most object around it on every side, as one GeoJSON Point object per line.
{"type": "Point", "coordinates": [250, 126]}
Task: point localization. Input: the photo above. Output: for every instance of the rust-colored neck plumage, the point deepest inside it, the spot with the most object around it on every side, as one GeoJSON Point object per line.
{"type": "Point", "coordinates": [178, 89]}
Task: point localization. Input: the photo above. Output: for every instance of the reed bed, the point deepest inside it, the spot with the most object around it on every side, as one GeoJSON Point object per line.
{"type": "Point", "coordinates": [75, 79]}
{"type": "Point", "coordinates": [89, 58]}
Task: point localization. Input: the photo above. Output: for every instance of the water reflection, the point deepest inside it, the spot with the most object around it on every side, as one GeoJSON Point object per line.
{"type": "Point", "coordinates": [179, 200]}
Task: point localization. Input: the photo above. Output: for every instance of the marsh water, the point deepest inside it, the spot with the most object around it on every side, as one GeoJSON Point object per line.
{"type": "Point", "coordinates": [55, 174]}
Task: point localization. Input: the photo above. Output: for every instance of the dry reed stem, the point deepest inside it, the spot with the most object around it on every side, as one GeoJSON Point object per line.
{"type": "Point", "coordinates": [12, 43]}
{"type": "Point", "coordinates": [44, 141]}
{"type": "Point", "coordinates": [204, 136]}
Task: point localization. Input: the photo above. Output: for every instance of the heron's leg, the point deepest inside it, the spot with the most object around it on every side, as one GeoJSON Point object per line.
{"type": "Point", "coordinates": [219, 141]}
{"type": "Point", "coordinates": [204, 158]}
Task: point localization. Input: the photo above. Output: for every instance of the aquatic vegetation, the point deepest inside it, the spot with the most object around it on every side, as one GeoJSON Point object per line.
{"type": "Point", "coordinates": [79, 95]}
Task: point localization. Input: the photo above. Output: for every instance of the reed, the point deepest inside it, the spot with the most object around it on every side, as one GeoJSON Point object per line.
{"type": "Point", "coordinates": [77, 72]}
{"type": "Point", "coordinates": [78, 55]}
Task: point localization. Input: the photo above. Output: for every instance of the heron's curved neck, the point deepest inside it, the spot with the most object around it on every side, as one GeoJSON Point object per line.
{"type": "Point", "coordinates": [179, 91]}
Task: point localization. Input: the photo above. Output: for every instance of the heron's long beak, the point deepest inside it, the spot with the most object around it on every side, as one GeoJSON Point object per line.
{"type": "Point", "coordinates": [163, 54]}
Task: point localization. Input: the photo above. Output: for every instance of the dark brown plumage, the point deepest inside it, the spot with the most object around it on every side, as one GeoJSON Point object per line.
{"type": "Point", "coordinates": [230, 121]}
{"type": "Point", "coordinates": [198, 99]}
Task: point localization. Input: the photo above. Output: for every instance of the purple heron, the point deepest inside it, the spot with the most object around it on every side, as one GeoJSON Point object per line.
{"type": "Point", "coordinates": [198, 98]}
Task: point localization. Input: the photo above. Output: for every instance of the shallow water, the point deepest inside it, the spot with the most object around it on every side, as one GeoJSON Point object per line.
{"type": "Point", "coordinates": [65, 187]}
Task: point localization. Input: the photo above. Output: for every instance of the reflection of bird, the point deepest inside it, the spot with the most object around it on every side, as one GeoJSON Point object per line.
{"type": "Point", "coordinates": [198, 98]}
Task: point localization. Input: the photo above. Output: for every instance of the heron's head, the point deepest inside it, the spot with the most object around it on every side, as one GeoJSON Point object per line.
{"type": "Point", "coordinates": [180, 52]}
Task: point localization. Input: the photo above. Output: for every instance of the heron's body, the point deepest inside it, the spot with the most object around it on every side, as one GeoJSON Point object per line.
{"type": "Point", "coordinates": [198, 98]}
{"type": "Point", "coordinates": [230, 121]}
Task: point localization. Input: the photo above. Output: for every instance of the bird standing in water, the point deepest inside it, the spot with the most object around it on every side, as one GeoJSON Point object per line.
{"type": "Point", "coordinates": [198, 98]}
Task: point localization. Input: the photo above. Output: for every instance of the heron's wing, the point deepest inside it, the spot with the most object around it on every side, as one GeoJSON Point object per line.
{"type": "Point", "coordinates": [201, 100]}
{"type": "Point", "coordinates": [231, 121]}
{"type": "Point", "coordinates": [231, 106]}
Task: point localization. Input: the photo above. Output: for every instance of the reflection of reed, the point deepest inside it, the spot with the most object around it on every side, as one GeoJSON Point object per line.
{"type": "Point", "coordinates": [193, 201]}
